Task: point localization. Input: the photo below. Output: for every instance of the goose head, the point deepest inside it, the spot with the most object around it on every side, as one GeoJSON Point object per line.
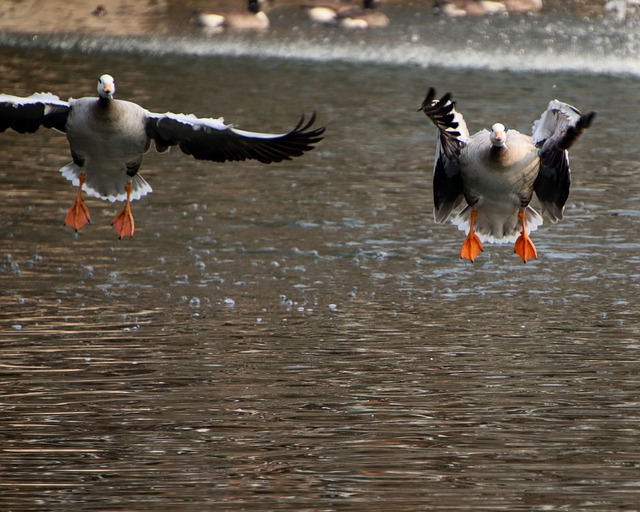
{"type": "Point", "coordinates": [106, 87]}
{"type": "Point", "coordinates": [498, 135]}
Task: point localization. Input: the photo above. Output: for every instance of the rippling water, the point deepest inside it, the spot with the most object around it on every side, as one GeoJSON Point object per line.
{"type": "Point", "coordinates": [302, 336]}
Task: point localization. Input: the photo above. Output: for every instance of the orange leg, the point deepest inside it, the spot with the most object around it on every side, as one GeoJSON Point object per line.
{"type": "Point", "coordinates": [78, 214]}
{"type": "Point", "coordinates": [123, 223]}
{"type": "Point", "coordinates": [472, 245]}
{"type": "Point", "coordinates": [524, 246]}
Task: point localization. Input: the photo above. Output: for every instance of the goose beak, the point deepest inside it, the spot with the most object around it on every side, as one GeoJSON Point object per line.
{"type": "Point", "coordinates": [108, 89]}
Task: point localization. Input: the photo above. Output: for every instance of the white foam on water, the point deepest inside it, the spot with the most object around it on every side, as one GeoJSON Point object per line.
{"type": "Point", "coordinates": [521, 45]}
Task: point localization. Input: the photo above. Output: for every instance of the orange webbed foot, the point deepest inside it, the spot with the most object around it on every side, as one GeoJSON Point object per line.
{"type": "Point", "coordinates": [78, 214]}
{"type": "Point", "coordinates": [524, 245]}
{"type": "Point", "coordinates": [472, 246]}
{"type": "Point", "coordinates": [123, 223]}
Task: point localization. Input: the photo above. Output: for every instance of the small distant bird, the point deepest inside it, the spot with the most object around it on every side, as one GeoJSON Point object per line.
{"type": "Point", "coordinates": [497, 172]}
{"type": "Point", "coordinates": [366, 17]}
{"type": "Point", "coordinates": [523, 6]}
{"type": "Point", "coordinates": [252, 18]}
{"type": "Point", "coordinates": [326, 12]}
{"type": "Point", "coordinates": [100, 10]}
{"type": "Point", "coordinates": [108, 137]}
{"type": "Point", "coordinates": [459, 8]}
{"type": "Point", "coordinates": [622, 8]}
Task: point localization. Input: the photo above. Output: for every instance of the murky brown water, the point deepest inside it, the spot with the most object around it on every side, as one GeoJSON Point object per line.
{"type": "Point", "coordinates": [302, 336]}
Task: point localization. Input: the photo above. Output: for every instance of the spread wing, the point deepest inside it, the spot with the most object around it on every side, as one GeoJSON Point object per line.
{"type": "Point", "coordinates": [452, 137]}
{"type": "Point", "coordinates": [26, 115]}
{"type": "Point", "coordinates": [212, 139]}
{"type": "Point", "coordinates": [554, 133]}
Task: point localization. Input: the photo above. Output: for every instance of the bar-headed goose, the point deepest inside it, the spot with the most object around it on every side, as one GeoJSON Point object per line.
{"type": "Point", "coordinates": [497, 172]}
{"type": "Point", "coordinates": [108, 137]}
{"type": "Point", "coordinates": [251, 18]}
{"type": "Point", "coordinates": [366, 17]}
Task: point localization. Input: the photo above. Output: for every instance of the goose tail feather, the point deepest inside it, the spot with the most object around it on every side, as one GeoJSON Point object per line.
{"type": "Point", "coordinates": [497, 230]}
{"type": "Point", "coordinates": [103, 190]}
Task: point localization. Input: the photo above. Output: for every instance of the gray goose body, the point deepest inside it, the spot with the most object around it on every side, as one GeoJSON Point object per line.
{"type": "Point", "coordinates": [108, 138]}
{"type": "Point", "coordinates": [498, 182]}
{"type": "Point", "coordinates": [108, 167]}
{"type": "Point", "coordinates": [497, 173]}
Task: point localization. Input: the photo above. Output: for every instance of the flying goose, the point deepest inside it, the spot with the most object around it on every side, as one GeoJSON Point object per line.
{"type": "Point", "coordinates": [497, 173]}
{"type": "Point", "coordinates": [108, 137]}
{"type": "Point", "coordinates": [251, 18]}
{"type": "Point", "coordinates": [367, 17]}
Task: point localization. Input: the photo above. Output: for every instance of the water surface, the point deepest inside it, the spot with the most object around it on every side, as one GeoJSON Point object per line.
{"type": "Point", "coordinates": [302, 336]}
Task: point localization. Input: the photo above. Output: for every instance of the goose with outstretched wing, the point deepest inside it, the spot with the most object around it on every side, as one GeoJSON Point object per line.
{"type": "Point", "coordinates": [108, 137]}
{"type": "Point", "coordinates": [497, 172]}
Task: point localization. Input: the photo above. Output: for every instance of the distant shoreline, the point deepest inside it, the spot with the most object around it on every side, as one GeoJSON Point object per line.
{"type": "Point", "coordinates": [133, 17]}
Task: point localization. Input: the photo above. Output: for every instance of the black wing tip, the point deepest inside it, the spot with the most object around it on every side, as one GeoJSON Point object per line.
{"type": "Point", "coordinates": [303, 129]}
{"type": "Point", "coordinates": [295, 143]}
{"type": "Point", "coordinates": [432, 107]}
{"type": "Point", "coordinates": [573, 132]}
{"type": "Point", "coordinates": [587, 119]}
{"type": "Point", "coordinates": [428, 99]}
